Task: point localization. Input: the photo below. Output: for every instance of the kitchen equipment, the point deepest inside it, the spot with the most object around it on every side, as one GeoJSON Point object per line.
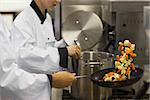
{"type": "Point", "coordinates": [127, 17]}
{"type": "Point", "coordinates": [142, 91]}
{"type": "Point", "coordinates": [97, 58]}
{"type": "Point", "coordinates": [90, 62]}
{"type": "Point", "coordinates": [83, 26]}
{"type": "Point", "coordinates": [97, 76]}
{"type": "Point", "coordinates": [83, 76]}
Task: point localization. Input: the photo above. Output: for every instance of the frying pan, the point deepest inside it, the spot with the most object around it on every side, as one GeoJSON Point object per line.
{"type": "Point", "coordinates": [97, 76]}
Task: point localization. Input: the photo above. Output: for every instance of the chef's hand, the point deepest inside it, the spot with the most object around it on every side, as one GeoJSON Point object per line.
{"type": "Point", "coordinates": [62, 79]}
{"type": "Point", "coordinates": [74, 51]}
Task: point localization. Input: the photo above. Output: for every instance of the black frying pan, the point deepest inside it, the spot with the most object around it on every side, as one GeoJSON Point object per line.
{"type": "Point", "coordinates": [97, 76]}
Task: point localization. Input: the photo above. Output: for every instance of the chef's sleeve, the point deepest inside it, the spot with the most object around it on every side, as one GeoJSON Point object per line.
{"type": "Point", "coordinates": [61, 43]}
{"type": "Point", "coordinates": [33, 58]}
{"type": "Point", "coordinates": [63, 52]}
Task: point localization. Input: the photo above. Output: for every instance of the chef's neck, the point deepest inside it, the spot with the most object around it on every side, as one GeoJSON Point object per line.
{"type": "Point", "coordinates": [41, 6]}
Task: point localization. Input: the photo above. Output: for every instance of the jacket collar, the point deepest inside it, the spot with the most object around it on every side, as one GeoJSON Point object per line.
{"type": "Point", "coordinates": [38, 12]}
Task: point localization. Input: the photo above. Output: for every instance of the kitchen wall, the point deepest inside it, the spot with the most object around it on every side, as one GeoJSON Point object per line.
{"type": "Point", "coordinates": [13, 5]}
{"type": "Point", "coordinates": [10, 8]}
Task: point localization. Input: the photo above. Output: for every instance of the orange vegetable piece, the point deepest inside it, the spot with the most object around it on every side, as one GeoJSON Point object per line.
{"type": "Point", "coordinates": [132, 66]}
{"type": "Point", "coordinates": [128, 71]}
{"type": "Point", "coordinates": [127, 57]}
{"type": "Point", "coordinates": [122, 52]}
{"type": "Point", "coordinates": [128, 51]}
{"type": "Point", "coordinates": [120, 78]}
{"type": "Point", "coordinates": [110, 74]}
{"type": "Point", "coordinates": [133, 55]}
{"type": "Point", "coordinates": [118, 58]}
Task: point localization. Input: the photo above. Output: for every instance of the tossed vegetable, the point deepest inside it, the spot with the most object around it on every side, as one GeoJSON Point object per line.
{"type": "Point", "coordinates": [124, 63]}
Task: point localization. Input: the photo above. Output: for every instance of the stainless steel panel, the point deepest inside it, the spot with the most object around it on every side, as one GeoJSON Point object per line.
{"type": "Point", "coordinates": [127, 17]}
{"type": "Point", "coordinates": [130, 26]}
{"type": "Point", "coordinates": [68, 9]}
{"type": "Point", "coordinates": [91, 61]}
{"type": "Point", "coordinates": [81, 2]}
{"type": "Point", "coordinates": [147, 28]}
{"type": "Point", "coordinates": [87, 30]}
{"type": "Point", "coordinates": [109, 7]}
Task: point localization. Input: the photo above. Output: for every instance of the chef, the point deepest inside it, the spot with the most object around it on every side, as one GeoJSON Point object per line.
{"type": "Point", "coordinates": [17, 84]}
{"type": "Point", "coordinates": [34, 41]}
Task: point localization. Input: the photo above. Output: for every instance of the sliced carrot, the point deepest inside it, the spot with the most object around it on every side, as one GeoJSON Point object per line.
{"type": "Point", "coordinates": [122, 52]}
{"type": "Point", "coordinates": [133, 55]}
{"type": "Point", "coordinates": [127, 57]}
{"type": "Point", "coordinates": [110, 74]}
{"type": "Point", "coordinates": [128, 71]}
{"type": "Point", "coordinates": [118, 58]}
{"type": "Point", "coordinates": [120, 78]}
{"type": "Point", "coordinates": [132, 66]}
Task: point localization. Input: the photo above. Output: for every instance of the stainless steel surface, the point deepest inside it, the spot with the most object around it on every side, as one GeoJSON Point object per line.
{"type": "Point", "coordinates": [84, 26]}
{"type": "Point", "coordinates": [57, 23]}
{"type": "Point", "coordinates": [95, 55]}
{"type": "Point", "coordinates": [83, 88]}
{"type": "Point", "coordinates": [95, 58]}
{"type": "Point", "coordinates": [147, 30]}
{"type": "Point", "coordinates": [110, 7]}
{"type": "Point", "coordinates": [130, 26]}
{"type": "Point", "coordinates": [70, 6]}
{"type": "Point", "coordinates": [127, 17]}
{"type": "Point", "coordinates": [80, 2]}
{"type": "Point", "coordinates": [89, 63]}
{"type": "Point", "coordinates": [83, 76]}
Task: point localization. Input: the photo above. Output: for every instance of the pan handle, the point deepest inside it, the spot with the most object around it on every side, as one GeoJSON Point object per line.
{"type": "Point", "coordinates": [82, 76]}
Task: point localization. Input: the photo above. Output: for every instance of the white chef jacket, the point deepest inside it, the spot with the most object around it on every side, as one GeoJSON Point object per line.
{"type": "Point", "coordinates": [15, 83]}
{"type": "Point", "coordinates": [35, 44]}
